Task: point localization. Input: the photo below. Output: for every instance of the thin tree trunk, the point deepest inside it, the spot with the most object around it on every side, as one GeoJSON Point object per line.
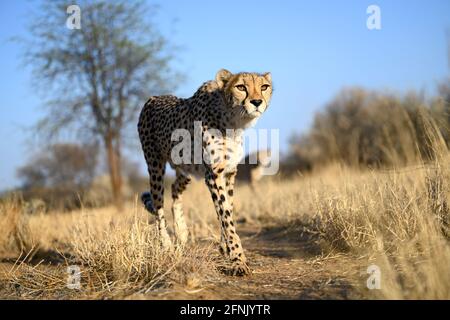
{"type": "Point", "coordinates": [114, 165]}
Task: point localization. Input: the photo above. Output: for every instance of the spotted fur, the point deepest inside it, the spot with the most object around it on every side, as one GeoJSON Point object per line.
{"type": "Point", "coordinates": [231, 101]}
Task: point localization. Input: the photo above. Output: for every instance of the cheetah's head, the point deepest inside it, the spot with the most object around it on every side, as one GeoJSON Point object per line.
{"type": "Point", "coordinates": [248, 94]}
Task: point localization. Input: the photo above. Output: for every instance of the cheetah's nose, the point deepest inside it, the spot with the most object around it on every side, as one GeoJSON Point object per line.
{"type": "Point", "coordinates": [256, 103]}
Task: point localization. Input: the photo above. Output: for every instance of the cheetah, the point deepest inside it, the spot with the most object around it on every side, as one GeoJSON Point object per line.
{"type": "Point", "coordinates": [219, 111]}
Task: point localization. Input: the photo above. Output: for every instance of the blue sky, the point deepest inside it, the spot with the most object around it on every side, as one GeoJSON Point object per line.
{"type": "Point", "coordinates": [312, 48]}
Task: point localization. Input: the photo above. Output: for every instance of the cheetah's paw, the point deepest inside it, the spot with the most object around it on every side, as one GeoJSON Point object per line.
{"type": "Point", "coordinates": [240, 268]}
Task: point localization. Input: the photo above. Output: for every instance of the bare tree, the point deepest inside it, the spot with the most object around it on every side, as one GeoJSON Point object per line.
{"type": "Point", "coordinates": [97, 77]}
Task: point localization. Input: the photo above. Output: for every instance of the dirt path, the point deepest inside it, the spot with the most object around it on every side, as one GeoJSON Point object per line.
{"type": "Point", "coordinates": [286, 264]}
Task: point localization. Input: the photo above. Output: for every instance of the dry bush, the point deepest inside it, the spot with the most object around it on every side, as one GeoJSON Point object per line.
{"type": "Point", "coordinates": [59, 175]}
{"type": "Point", "coordinates": [363, 128]}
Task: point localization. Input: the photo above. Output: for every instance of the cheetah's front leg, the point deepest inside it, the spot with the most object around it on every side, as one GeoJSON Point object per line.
{"type": "Point", "coordinates": [220, 192]}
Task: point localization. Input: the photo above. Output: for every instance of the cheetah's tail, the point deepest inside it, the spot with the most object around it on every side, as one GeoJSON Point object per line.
{"type": "Point", "coordinates": [146, 199]}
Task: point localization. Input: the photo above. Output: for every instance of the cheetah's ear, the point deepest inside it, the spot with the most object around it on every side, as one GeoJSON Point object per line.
{"type": "Point", "coordinates": [268, 76]}
{"type": "Point", "coordinates": [222, 77]}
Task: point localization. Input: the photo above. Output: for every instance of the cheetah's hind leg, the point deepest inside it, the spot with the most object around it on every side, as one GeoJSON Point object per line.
{"type": "Point", "coordinates": [153, 202]}
{"type": "Point", "coordinates": [180, 227]}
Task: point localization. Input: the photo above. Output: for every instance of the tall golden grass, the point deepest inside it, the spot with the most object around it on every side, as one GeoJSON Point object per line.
{"type": "Point", "coordinates": [397, 219]}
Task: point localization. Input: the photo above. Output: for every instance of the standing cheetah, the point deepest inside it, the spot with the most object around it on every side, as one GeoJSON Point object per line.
{"type": "Point", "coordinates": [218, 111]}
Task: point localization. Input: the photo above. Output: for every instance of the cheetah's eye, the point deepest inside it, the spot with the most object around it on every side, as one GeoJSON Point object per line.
{"type": "Point", "coordinates": [241, 87]}
{"type": "Point", "coordinates": [264, 87]}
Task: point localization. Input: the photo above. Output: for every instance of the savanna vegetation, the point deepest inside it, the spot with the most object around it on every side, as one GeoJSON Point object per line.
{"type": "Point", "coordinates": [314, 233]}
{"type": "Point", "coordinates": [367, 186]}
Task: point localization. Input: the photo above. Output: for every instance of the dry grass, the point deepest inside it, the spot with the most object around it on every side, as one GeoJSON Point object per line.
{"type": "Point", "coordinates": [118, 255]}
{"type": "Point", "coordinates": [396, 219]}
{"type": "Point", "coordinates": [400, 221]}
